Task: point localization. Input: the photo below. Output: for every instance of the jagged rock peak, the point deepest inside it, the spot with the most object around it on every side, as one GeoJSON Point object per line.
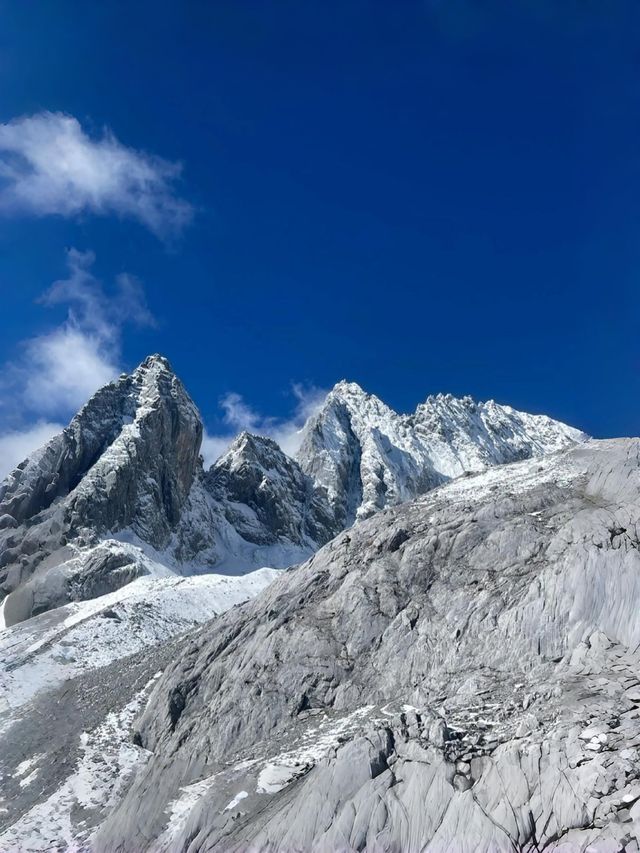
{"type": "Point", "coordinates": [156, 359]}
{"type": "Point", "coordinates": [283, 501]}
{"type": "Point", "coordinates": [345, 389]}
{"type": "Point", "coordinates": [356, 399]}
{"type": "Point", "coordinates": [368, 456]}
{"type": "Point", "coordinates": [130, 408]}
{"type": "Point", "coordinates": [248, 445]}
{"type": "Point", "coordinates": [127, 460]}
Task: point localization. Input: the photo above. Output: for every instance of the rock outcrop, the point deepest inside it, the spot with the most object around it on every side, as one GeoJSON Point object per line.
{"type": "Point", "coordinates": [459, 672]}
{"type": "Point", "coordinates": [255, 474]}
{"type": "Point", "coordinates": [254, 507]}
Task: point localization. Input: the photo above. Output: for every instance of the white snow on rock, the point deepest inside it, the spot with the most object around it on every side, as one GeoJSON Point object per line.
{"type": "Point", "coordinates": [368, 456]}
{"type": "Point", "coordinates": [275, 777]}
{"type": "Point", "coordinates": [106, 763]}
{"type": "Point", "coordinates": [81, 636]}
{"type": "Point", "coordinates": [178, 810]}
{"type": "Point", "coordinates": [241, 795]}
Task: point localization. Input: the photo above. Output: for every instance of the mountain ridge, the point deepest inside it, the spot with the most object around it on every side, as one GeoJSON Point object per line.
{"type": "Point", "coordinates": [368, 456]}
{"type": "Point", "coordinates": [454, 667]}
{"type": "Point", "coordinates": [128, 468]}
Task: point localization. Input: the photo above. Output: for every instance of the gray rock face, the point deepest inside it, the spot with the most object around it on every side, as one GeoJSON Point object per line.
{"type": "Point", "coordinates": [135, 443]}
{"type": "Point", "coordinates": [368, 457]}
{"type": "Point", "coordinates": [128, 465]}
{"type": "Point", "coordinates": [459, 672]}
{"type": "Point", "coordinates": [253, 508]}
{"type": "Point", "coordinates": [127, 460]}
{"type": "Point", "coordinates": [256, 474]}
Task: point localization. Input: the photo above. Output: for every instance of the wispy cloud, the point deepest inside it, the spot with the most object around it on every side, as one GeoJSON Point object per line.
{"type": "Point", "coordinates": [16, 445]}
{"type": "Point", "coordinates": [239, 416]}
{"type": "Point", "coordinates": [50, 165]}
{"type": "Point", "coordinates": [58, 371]}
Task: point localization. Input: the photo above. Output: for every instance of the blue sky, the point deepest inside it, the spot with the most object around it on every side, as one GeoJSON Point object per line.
{"type": "Point", "coordinates": [417, 196]}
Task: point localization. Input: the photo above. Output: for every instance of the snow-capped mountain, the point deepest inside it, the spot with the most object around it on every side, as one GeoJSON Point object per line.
{"type": "Point", "coordinates": [127, 469]}
{"type": "Point", "coordinates": [457, 670]}
{"type": "Point", "coordinates": [368, 457]}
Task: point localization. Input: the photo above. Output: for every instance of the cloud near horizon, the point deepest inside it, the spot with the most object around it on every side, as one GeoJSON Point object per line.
{"type": "Point", "coordinates": [240, 417]}
{"type": "Point", "coordinates": [59, 370]}
{"type": "Point", "coordinates": [16, 445]}
{"type": "Point", "coordinates": [50, 165]}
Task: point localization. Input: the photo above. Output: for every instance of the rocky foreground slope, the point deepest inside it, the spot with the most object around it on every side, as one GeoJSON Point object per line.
{"type": "Point", "coordinates": [128, 469]}
{"type": "Point", "coordinates": [458, 673]}
{"type": "Point", "coordinates": [71, 681]}
{"type": "Point", "coordinates": [461, 672]}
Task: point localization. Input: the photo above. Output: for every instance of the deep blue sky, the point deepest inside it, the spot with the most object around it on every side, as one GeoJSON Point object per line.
{"type": "Point", "coordinates": [418, 196]}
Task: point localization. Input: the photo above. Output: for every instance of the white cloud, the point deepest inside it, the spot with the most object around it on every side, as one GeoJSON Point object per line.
{"type": "Point", "coordinates": [241, 417]}
{"type": "Point", "coordinates": [61, 369]}
{"type": "Point", "coordinates": [58, 371]}
{"type": "Point", "coordinates": [90, 308]}
{"type": "Point", "coordinates": [64, 368]}
{"type": "Point", "coordinates": [213, 447]}
{"type": "Point", "coordinates": [238, 414]}
{"type": "Point", "coordinates": [49, 165]}
{"type": "Point", "coordinates": [15, 446]}
{"type": "Point", "coordinates": [288, 433]}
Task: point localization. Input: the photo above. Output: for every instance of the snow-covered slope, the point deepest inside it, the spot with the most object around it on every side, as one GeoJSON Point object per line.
{"type": "Point", "coordinates": [368, 457]}
{"type": "Point", "coordinates": [82, 636]}
{"type": "Point", "coordinates": [90, 666]}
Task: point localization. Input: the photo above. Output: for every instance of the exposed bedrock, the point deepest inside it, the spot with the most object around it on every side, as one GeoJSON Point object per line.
{"type": "Point", "coordinates": [460, 672]}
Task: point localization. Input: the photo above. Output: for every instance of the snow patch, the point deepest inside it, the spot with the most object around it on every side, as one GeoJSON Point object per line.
{"type": "Point", "coordinates": [241, 795]}
{"type": "Point", "coordinates": [105, 765]}
{"type": "Point", "coordinates": [48, 649]}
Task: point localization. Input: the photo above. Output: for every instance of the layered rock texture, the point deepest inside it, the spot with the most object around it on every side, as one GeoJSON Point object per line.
{"type": "Point", "coordinates": [458, 673]}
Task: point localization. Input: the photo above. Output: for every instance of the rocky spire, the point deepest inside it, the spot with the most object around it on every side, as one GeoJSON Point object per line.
{"type": "Point", "coordinates": [126, 460]}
